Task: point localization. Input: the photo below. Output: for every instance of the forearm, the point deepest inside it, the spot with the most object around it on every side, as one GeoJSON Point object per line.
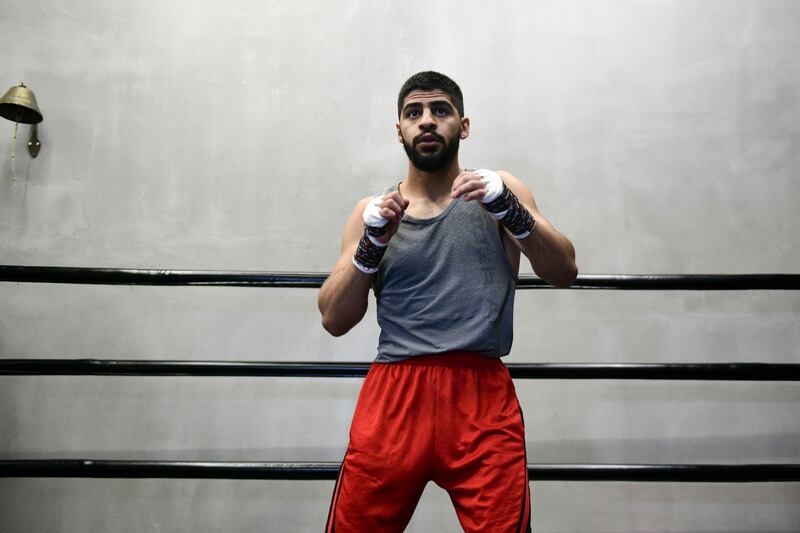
{"type": "Point", "coordinates": [508, 201]}
{"type": "Point", "coordinates": [343, 298]}
{"type": "Point", "coordinates": [551, 254]}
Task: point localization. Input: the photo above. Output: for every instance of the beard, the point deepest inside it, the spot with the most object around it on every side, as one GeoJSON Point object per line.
{"type": "Point", "coordinates": [433, 161]}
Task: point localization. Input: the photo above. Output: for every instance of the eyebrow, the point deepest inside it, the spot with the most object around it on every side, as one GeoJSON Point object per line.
{"type": "Point", "coordinates": [431, 103]}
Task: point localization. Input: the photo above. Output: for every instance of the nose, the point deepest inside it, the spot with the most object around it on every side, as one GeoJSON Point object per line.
{"type": "Point", "coordinates": [428, 121]}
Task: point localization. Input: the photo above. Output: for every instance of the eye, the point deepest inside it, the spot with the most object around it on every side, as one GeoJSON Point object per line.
{"type": "Point", "coordinates": [441, 111]}
{"type": "Point", "coordinates": [412, 113]}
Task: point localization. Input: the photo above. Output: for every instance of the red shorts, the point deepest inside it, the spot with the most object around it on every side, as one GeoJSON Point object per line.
{"type": "Point", "coordinates": [453, 419]}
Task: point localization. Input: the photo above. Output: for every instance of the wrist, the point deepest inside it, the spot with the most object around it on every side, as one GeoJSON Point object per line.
{"type": "Point", "coordinates": [514, 216]}
{"type": "Point", "coordinates": [370, 251]}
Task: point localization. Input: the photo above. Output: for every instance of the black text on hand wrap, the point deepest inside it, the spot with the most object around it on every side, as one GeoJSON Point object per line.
{"type": "Point", "coordinates": [369, 254]}
{"type": "Point", "coordinates": [512, 214]}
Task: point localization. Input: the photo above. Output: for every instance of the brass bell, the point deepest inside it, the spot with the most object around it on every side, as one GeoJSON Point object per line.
{"type": "Point", "coordinates": [19, 105]}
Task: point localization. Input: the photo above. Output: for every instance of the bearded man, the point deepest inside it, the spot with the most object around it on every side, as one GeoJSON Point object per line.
{"type": "Point", "coordinates": [441, 251]}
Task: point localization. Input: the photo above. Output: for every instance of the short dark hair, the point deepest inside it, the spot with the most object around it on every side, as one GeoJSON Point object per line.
{"type": "Point", "coordinates": [429, 81]}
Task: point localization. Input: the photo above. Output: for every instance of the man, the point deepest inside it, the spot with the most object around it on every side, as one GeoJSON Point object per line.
{"type": "Point", "coordinates": [441, 250]}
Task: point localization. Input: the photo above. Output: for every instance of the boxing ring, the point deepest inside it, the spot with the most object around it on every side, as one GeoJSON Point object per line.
{"type": "Point", "coordinates": [90, 468]}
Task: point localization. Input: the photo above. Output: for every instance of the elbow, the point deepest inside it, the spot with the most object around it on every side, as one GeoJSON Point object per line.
{"type": "Point", "coordinates": [331, 320]}
{"type": "Point", "coordinates": [338, 320]}
{"type": "Point", "coordinates": [566, 277]}
{"type": "Point", "coordinates": [334, 327]}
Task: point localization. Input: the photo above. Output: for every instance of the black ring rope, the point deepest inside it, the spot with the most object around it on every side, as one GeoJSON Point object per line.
{"type": "Point", "coordinates": [675, 371]}
{"type": "Point", "coordinates": [693, 473]}
{"type": "Point", "coordinates": [115, 276]}
{"type": "Point", "coordinates": [329, 471]}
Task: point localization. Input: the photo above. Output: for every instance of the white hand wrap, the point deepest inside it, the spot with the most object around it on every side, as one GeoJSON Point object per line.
{"type": "Point", "coordinates": [494, 188]}
{"type": "Point", "coordinates": [503, 205]}
{"type": "Point", "coordinates": [373, 219]}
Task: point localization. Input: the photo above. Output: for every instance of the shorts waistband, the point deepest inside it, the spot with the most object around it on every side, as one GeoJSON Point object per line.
{"type": "Point", "coordinates": [460, 359]}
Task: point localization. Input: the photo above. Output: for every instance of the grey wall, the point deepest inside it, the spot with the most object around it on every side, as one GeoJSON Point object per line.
{"type": "Point", "coordinates": [661, 137]}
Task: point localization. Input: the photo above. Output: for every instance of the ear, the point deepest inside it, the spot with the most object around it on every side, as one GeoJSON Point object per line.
{"type": "Point", "coordinates": [399, 133]}
{"type": "Point", "coordinates": [464, 128]}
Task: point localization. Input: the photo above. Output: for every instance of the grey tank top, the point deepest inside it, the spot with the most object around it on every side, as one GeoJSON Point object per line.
{"type": "Point", "coordinates": [445, 284]}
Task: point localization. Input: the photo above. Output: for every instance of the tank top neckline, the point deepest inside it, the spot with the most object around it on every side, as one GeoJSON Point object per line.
{"type": "Point", "coordinates": [415, 220]}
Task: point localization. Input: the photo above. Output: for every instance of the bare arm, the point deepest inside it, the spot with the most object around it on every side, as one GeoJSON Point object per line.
{"type": "Point", "coordinates": [551, 254]}
{"type": "Point", "coordinates": [344, 296]}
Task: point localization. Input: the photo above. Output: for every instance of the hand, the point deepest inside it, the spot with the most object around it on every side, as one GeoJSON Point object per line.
{"type": "Point", "coordinates": [383, 215]}
{"type": "Point", "coordinates": [482, 184]}
{"type": "Point", "coordinates": [469, 186]}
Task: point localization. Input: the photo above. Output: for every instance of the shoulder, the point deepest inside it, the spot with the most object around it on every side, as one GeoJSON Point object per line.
{"type": "Point", "coordinates": [516, 185]}
{"type": "Point", "coordinates": [512, 182]}
{"type": "Point", "coordinates": [367, 199]}
{"type": "Point", "coordinates": [358, 210]}
{"type": "Point", "coordinates": [354, 223]}
{"type": "Point", "coordinates": [363, 203]}
{"type": "Point", "coordinates": [355, 218]}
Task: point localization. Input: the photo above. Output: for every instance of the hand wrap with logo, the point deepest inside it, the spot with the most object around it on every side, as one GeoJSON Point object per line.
{"type": "Point", "coordinates": [503, 205]}
{"type": "Point", "coordinates": [370, 249]}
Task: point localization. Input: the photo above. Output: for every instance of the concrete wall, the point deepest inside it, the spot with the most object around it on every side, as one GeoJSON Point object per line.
{"type": "Point", "coordinates": [661, 137]}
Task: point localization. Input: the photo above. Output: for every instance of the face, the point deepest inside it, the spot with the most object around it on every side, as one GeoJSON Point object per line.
{"type": "Point", "coordinates": [430, 129]}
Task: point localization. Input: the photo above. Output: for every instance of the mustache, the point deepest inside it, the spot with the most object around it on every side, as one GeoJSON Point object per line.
{"type": "Point", "coordinates": [436, 136]}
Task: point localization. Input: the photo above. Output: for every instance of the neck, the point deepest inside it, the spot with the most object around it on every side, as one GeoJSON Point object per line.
{"type": "Point", "coordinates": [435, 185]}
